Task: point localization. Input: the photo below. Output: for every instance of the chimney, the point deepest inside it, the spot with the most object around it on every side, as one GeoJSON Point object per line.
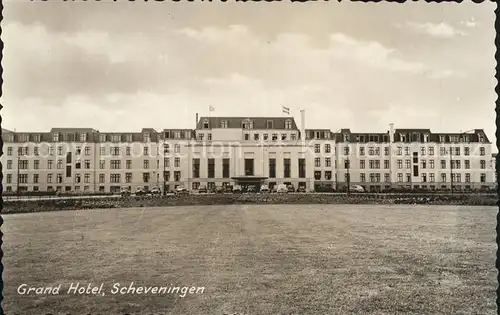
{"type": "Point", "coordinates": [391, 132]}
{"type": "Point", "coordinates": [196, 119]}
{"type": "Point", "coordinates": [303, 124]}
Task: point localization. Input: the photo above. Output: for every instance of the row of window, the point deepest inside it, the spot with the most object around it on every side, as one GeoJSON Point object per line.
{"type": "Point", "coordinates": [247, 124]}
{"type": "Point", "coordinates": [375, 151]}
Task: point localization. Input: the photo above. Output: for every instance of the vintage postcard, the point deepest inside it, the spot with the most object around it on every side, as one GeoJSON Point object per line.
{"type": "Point", "coordinates": [248, 158]}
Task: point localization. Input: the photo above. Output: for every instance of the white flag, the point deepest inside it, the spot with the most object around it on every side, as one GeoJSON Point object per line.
{"type": "Point", "coordinates": [286, 110]}
{"type": "Point", "coordinates": [211, 108]}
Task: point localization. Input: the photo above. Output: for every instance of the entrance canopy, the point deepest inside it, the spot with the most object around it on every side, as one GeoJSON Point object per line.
{"type": "Point", "coordinates": [249, 178]}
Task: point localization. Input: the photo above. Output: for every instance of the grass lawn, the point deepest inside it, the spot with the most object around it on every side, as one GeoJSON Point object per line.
{"type": "Point", "coordinates": [307, 259]}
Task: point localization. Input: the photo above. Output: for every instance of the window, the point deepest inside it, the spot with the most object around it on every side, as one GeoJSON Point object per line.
{"type": "Point", "coordinates": [328, 162]}
{"type": "Point", "coordinates": [101, 178]}
{"type": "Point", "coordinates": [467, 164]}
{"type": "Point", "coordinates": [36, 164]}
{"type": "Point", "coordinates": [377, 151]}
{"type": "Point", "coordinates": [457, 151]}
{"type": "Point", "coordinates": [114, 178]}
{"type": "Point", "coordinates": [177, 162]}
{"type": "Point", "coordinates": [483, 178]}
{"type": "Point", "coordinates": [400, 151]}
{"type": "Point", "coordinates": [23, 178]}
{"type": "Point", "coordinates": [102, 151]}
{"type": "Point", "coordinates": [302, 168]}
{"type": "Point", "coordinates": [288, 124]}
{"type": "Point", "coordinates": [362, 177]}
{"type": "Point", "coordinates": [146, 137]}
{"type": "Point", "coordinates": [361, 151]}
{"type": "Point", "coordinates": [283, 136]}
{"type": "Point", "coordinates": [431, 164]}
{"type": "Point", "coordinates": [362, 164]}
{"type": "Point", "coordinates": [128, 177]}
{"type": "Point", "coordinates": [9, 151]}
{"type": "Point", "coordinates": [87, 164]}
{"type": "Point", "coordinates": [115, 151]}
{"type": "Point", "coordinates": [177, 148]}
{"type": "Point", "coordinates": [49, 178]}
{"type": "Point", "coordinates": [386, 150]}
{"type": "Point", "coordinates": [328, 148]}
{"type": "Point", "coordinates": [346, 150]}
{"type": "Point", "coordinates": [115, 164]}
{"type": "Point", "coordinates": [146, 150]}
{"type": "Point", "coordinates": [78, 178]}
{"type": "Point", "coordinates": [9, 164]}
{"type": "Point", "coordinates": [59, 164]}
{"type": "Point", "coordinates": [59, 178]}
{"type": "Point", "coordinates": [55, 137]}
{"type": "Point", "coordinates": [256, 136]}
{"type": "Point", "coordinates": [145, 177]}
{"type": "Point", "coordinates": [386, 164]}
{"type": "Point", "coordinates": [274, 137]}
{"type": "Point", "coordinates": [78, 164]}
{"type": "Point", "coordinates": [51, 151]}
{"type": "Point", "coordinates": [317, 175]}
{"type": "Point", "coordinates": [483, 164]}
{"type": "Point", "coordinates": [317, 148]}
{"type": "Point", "coordinates": [286, 168]}
{"type": "Point", "coordinates": [35, 151]}
{"type": "Point", "coordinates": [86, 178]}
{"type": "Point", "coordinates": [443, 177]}
{"type": "Point", "coordinates": [211, 168]}
{"type": "Point", "coordinates": [146, 164]}
{"type": "Point", "coordinates": [223, 124]}
{"type": "Point", "coordinates": [201, 136]}
{"type": "Point", "coordinates": [482, 151]}
{"type": "Point", "coordinates": [293, 136]}
{"type": "Point", "coordinates": [431, 177]}
{"type": "Point", "coordinates": [443, 164]}
{"type": "Point", "coordinates": [270, 124]}
{"type": "Point", "coordinates": [442, 151]}
{"type": "Point", "coordinates": [371, 151]}
{"type": "Point", "coordinates": [424, 177]}
{"type": "Point", "coordinates": [78, 150]}
{"type": "Point", "coordinates": [467, 177]}
{"type": "Point", "coordinates": [23, 165]}
{"type": "Point", "coordinates": [317, 162]}
{"type": "Point", "coordinates": [102, 164]}
{"type": "Point", "coordinates": [50, 164]}
{"type": "Point", "coordinates": [407, 163]}
{"type": "Point", "coordinates": [399, 164]}
{"type": "Point", "coordinates": [266, 136]}
{"type": "Point", "coordinates": [423, 164]}
{"type": "Point", "coordinates": [422, 151]}
{"type": "Point", "coordinates": [272, 168]}
{"type": "Point", "coordinates": [59, 150]}
{"type": "Point", "coordinates": [225, 168]}
{"type": "Point", "coordinates": [431, 150]}
{"type": "Point", "coordinates": [466, 151]}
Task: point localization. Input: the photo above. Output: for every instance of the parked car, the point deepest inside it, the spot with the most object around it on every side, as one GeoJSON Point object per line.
{"type": "Point", "coordinates": [220, 190]}
{"type": "Point", "coordinates": [301, 189]}
{"type": "Point", "coordinates": [140, 191]}
{"type": "Point", "coordinates": [180, 190]}
{"type": "Point", "coordinates": [251, 189]}
{"type": "Point", "coordinates": [290, 188]}
{"type": "Point", "coordinates": [155, 191]}
{"type": "Point", "coordinates": [356, 188]}
{"type": "Point", "coordinates": [237, 189]}
{"type": "Point", "coordinates": [282, 188]}
{"type": "Point", "coordinates": [264, 189]}
{"type": "Point", "coordinates": [202, 189]}
{"type": "Point", "coordinates": [125, 192]}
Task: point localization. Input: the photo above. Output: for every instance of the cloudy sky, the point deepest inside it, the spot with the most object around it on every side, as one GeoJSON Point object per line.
{"type": "Point", "coordinates": [127, 66]}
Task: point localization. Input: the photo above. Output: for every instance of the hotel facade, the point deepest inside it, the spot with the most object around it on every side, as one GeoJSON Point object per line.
{"type": "Point", "coordinates": [225, 151]}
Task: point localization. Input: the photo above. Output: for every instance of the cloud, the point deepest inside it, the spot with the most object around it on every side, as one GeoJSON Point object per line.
{"type": "Point", "coordinates": [438, 30]}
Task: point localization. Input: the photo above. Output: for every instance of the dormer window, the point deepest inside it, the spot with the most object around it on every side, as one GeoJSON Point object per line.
{"type": "Point", "coordinates": [346, 137]}
{"type": "Point", "coordinates": [442, 138]}
{"type": "Point", "coordinates": [129, 138]}
{"type": "Point", "coordinates": [247, 124]}
{"type": "Point", "coordinates": [36, 138]}
{"type": "Point", "coordinates": [116, 138]}
{"type": "Point", "coordinates": [403, 137]}
{"type": "Point", "coordinates": [223, 124]}
{"type": "Point", "coordinates": [83, 137]}
{"type": "Point", "coordinates": [146, 137]}
{"type": "Point", "coordinates": [102, 138]}
{"type": "Point", "coordinates": [481, 138]}
{"type": "Point", "coordinates": [288, 124]}
{"type": "Point", "coordinates": [55, 137]}
{"type": "Point", "coordinates": [24, 138]}
{"type": "Point", "coordinates": [270, 124]}
{"type": "Point", "coordinates": [205, 124]}
{"type": "Point", "coordinates": [426, 138]}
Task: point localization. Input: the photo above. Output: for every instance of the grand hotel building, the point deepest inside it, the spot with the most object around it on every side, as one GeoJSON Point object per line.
{"type": "Point", "coordinates": [224, 151]}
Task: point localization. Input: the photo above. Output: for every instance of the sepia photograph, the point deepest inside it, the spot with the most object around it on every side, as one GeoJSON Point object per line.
{"type": "Point", "coordinates": [245, 158]}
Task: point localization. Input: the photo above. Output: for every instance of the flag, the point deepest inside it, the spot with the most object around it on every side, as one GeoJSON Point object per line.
{"type": "Point", "coordinates": [286, 110]}
{"type": "Point", "coordinates": [211, 108]}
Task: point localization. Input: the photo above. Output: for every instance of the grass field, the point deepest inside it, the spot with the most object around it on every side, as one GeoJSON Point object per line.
{"type": "Point", "coordinates": [312, 259]}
